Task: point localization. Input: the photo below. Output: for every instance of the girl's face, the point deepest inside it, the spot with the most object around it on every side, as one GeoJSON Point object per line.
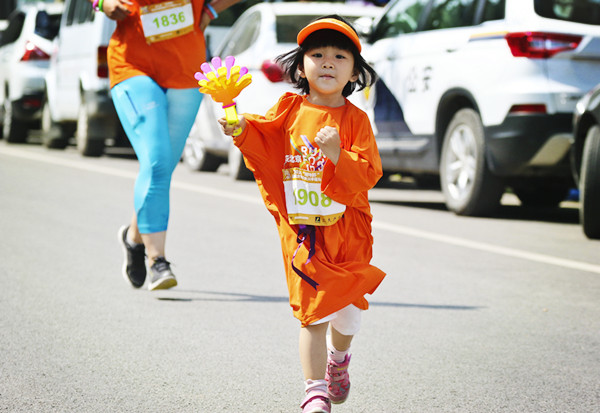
{"type": "Point", "coordinates": [328, 69]}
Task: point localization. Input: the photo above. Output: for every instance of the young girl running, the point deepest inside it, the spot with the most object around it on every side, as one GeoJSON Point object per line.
{"type": "Point", "coordinates": [314, 158]}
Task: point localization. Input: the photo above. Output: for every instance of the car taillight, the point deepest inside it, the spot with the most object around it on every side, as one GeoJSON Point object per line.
{"type": "Point", "coordinates": [31, 103]}
{"type": "Point", "coordinates": [539, 45]}
{"type": "Point", "coordinates": [32, 52]}
{"type": "Point", "coordinates": [528, 109]}
{"type": "Point", "coordinates": [102, 68]}
{"type": "Point", "coordinates": [272, 71]}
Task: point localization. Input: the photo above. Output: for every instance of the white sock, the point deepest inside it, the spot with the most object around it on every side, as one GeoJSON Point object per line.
{"type": "Point", "coordinates": [336, 355]}
{"type": "Point", "coordinates": [312, 385]}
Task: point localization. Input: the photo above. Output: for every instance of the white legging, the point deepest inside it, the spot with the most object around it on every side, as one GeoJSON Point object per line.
{"type": "Point", "coordinates": [346, 321]}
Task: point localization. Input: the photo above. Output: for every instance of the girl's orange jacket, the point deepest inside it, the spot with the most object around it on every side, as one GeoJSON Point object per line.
{"type": "Point", "coordinates": [171, 63]}
{"type": "Point", "coordinates": [341, 264]}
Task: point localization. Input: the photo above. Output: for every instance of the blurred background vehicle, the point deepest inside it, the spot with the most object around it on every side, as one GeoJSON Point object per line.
{"type": "Point", "coordinates": [25, 48]}
{"type": "Point", "coordinates": [77, 95]}
{"type": "Point", "coordinates": [263, 32]}
{"type": "Point", "coordinates": [480, 94]}
{"type": "Point", "coordinates": [585, 155]}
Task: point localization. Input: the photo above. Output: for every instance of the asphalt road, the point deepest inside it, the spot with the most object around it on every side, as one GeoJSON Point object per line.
{"type": "Point", "coordinates": [475, 315]}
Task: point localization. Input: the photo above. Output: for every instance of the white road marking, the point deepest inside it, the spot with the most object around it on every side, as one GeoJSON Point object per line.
{"type": "Point", "coordinates": [481, 246]}
{"type": "Point", "coordinates": [87, 166]}
{"type": "Point", "coordinates": [398, 229]}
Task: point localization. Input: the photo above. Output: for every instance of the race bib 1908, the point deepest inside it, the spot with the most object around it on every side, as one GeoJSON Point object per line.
{"type": "Point", "coordinates": [305, 202]}
{"type": "Point", "coordinates": [167, 20]}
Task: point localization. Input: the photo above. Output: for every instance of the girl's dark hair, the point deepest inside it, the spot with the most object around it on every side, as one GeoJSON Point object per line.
{"type": "Point", "coordinates": [293, 60]}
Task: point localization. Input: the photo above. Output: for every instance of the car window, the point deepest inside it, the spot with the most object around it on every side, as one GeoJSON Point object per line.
{"type": "Point", "coordinates": [71, 12]}
{"type": "Point", "coordinates": [402, 17]}
{"type": "Point", "coordinates": [13, 30]}
{"type": "Point", "coordinates": [47, 25]}
{"type": "Point", "coordinates": [229, 16]}
{"type": "Point", "coordinates": [242, 38]}
{"type": "Point", "coordinates": [287, 27]}
{"type": "Point", "coordinates": [446, 14]}
{"type": "Point", "coordinates": [579, 11]}
{"type": "Point", "coordinates": [493, 10]}
{"type": "Point", "coordinates": [84, 12]}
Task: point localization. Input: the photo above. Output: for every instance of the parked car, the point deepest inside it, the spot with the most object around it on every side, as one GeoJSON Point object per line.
{"type": "Point", "coordinates": [585, 159]}
{"type": "Point", "coordinates": [77, 90]}
{"type": "Point", "coordinates": [78, 99]}
{"type": "Point", "coordinates": [263, 32]}
{"type": "Point", "coordinates": [480, 93]}
{"type": "Point", "coordinates": [25, 48]}
{"type": "Point", "coordinates": [218, 28]}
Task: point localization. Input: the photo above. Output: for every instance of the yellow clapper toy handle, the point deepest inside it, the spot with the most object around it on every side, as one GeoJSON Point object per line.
{"type": "Point", "coordinates": [224, 84]}
{"type": "Point", "coordinates": [232, 118]}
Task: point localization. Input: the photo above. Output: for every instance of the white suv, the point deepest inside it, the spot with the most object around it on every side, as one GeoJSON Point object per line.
{"type": "Point", "coordinates": [25, 49]}
{"type": "Point", "coordinates": [481, 93]}
{"type": "Point", "coordinates": [78, 99]}
{"type": "Point", "coordinates": [77, 85]}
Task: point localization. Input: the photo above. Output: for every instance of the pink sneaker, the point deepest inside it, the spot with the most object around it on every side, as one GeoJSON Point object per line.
{"type": "Point", "coordinates": [316, 402]}
{"type": "Point", "coordinates": [338, 380]}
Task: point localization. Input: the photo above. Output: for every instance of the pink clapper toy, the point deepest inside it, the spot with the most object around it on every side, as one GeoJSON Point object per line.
{"type": "Point", "coordinates": [223, 84]}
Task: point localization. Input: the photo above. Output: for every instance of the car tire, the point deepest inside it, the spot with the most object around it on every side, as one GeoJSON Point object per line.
{"type": "Point", "coordinates": [469, 187]}
{"type": "Point", "coordinates": [89, 136]}
{"type": "Point", "coordinates": [197, 158]}
{"type": "Point", "coordinates": [589, 185]}
{"type": "Point", "coordinates": [237, 167]}
{"type": "Point", "coordinates": [52, 132]}
{"type": "Point", "coordinates": [13, 130]}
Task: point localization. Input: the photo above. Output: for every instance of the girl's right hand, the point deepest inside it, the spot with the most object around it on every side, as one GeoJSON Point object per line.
{"type": "Point", "coordinates": [229, 129]}
{"type": "Point", "coordinates": [117, 9]}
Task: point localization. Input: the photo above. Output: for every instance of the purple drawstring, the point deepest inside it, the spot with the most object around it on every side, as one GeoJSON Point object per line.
{"type": "Point", "coordinates": [303, 232]}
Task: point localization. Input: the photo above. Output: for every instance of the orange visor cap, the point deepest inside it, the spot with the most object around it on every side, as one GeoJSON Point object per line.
{"type": "Point", "coordinates": [332, 24]}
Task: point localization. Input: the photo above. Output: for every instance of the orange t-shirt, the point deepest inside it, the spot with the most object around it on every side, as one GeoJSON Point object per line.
{"type": "Point", "coordinates": [171, 63]}
{"type": "Point", "coordinates": [341, 263]}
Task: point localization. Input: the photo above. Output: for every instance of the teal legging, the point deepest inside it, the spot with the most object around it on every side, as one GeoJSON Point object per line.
{"type": "Point", "coordinates": [157, 122]}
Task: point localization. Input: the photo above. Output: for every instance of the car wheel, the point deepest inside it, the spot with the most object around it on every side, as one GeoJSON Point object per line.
{"type": "Point", "coordinates": [88, 141]}
{"type": "Point", "coordinates": [197, 158]}
{"type": "Point", "coordinates": [467, 183]}
{"type": "Point", "coordinates": [52, 134]}
{"type": "Point", "coordinates": [13, 130]}
{"type": "Point", "coordinates": [589, 184]}
{"type": "Point", "coordinates": [237, 167]}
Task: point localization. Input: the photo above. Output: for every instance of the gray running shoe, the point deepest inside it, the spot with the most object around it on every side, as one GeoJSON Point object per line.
{"type": "Point", "coordinates": [162, 276]}
{"type": "Point", "coordinates": [134, 265]}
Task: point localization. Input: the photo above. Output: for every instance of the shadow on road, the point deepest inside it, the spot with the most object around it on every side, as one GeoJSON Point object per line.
{"type": "Point", "coordinates": [424, 306]}
{"type": "Point", "coordinates": [219, 296]}
{"type": "Point", "coordinates": [562, 215]}
{"type": "Point", "coordinates": [432, 205]}
{"type": "Point", "coordinates": [223, 296]}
